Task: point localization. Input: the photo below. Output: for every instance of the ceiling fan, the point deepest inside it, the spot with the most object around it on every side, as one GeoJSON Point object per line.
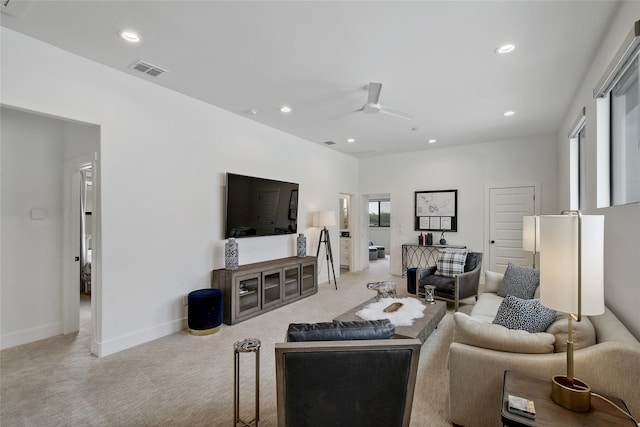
{"type": "Point", "coordinates": [373, 105]}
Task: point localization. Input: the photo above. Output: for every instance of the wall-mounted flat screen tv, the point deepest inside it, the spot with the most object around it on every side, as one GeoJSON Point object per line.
{"type": "Point", "coordinates": [260, 207]}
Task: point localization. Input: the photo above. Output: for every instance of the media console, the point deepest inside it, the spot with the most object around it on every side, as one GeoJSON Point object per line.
{"type": "Point", "coordinates": [256, 288]}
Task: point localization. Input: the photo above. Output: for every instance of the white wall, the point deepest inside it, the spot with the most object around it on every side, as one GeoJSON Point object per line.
{"type": "Point", "coordinates": [32, 160]}
{"type": "Point", "coordinates": [468, 169]}
{"type": "Point", "coordinates": [163, 158]}
{"type": "Point", "coordinates": [622, 223]}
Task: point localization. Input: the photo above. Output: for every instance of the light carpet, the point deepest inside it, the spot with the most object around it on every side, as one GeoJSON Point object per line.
{"type": "Point", "coordinates": [187, 380]}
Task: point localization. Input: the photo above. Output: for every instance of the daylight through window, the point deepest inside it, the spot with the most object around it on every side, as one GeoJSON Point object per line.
{"type": "Point", "coordinates": [379, 213]}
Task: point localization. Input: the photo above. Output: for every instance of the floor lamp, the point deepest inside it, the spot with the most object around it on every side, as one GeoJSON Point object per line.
{"type": "Point", "coordinates": [531, 235]}
{"type": "Point", "coordinates": [572, 281]}
{"type": "Point", "coordinates": [326, 219]}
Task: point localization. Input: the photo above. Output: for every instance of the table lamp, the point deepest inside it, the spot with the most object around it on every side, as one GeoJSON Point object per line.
{"type": "Point", "coordinates": [571, 281]}
{"type": "Point", "coordinates": [531, 235]}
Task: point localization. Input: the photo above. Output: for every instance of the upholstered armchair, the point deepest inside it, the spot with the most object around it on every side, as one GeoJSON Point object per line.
{"type": "Point", "coordinates": [452, 287]}
{"type": "Point", "coordinates": [345, 374]}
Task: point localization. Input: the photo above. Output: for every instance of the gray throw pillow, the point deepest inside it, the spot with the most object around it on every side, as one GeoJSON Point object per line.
{"type": "Point", "coordinates": [524, 314]}
{"type": "Point", "coordinates": [519, 281]}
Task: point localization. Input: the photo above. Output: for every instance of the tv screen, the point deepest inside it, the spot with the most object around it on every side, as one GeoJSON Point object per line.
{"type": "Point", "coordinates": [260, 207]}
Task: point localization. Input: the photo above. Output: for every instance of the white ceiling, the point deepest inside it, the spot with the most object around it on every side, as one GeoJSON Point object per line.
{"type": "Point", "coordinates": [435, 59]}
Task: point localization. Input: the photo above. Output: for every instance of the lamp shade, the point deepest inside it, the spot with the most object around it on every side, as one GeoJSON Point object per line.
{"type": "Point", "coordinates": [531, 233]}
{"type": "Point", "coordinates": [324, 219]}
{"type": "Point", "coordinates": [559, 279]}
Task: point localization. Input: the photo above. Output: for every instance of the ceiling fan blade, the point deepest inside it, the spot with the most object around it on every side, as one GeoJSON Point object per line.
{"type": "Point", "coordinates": [395, 113]}
{"type": "Point", "coordinates": [348, 113]}
{"type": "Point", "coordinates": [374, 93]}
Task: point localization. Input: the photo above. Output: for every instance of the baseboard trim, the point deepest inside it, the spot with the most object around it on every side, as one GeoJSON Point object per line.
{"type": "Point", "coordinates": [115, 345]}
{"type": "Point", "coordinates": [30, 335]}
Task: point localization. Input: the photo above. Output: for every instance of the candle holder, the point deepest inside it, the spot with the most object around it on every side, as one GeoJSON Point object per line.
{"type": "Point", "coordinates": [430, 294]}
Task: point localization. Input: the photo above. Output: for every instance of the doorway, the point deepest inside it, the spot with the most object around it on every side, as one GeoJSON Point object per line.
{"type": "Point", "coordinates": [506, 207]}
{"type": "Point", "coordinates": [45, 154]}
{"type": "Point", "coordinates": [346, 243]}
{"type": "Point", "coordinates": [80, 231]}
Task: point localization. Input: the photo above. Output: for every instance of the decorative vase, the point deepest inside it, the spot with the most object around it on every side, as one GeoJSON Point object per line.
{"type": "Point", "coordinates": [302, 245]}
{"type": "Point", "coordinates": [231, 254]}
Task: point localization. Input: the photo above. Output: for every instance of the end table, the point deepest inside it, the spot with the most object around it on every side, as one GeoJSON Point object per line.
{"type": "Point", "coordinates": [548, 413]}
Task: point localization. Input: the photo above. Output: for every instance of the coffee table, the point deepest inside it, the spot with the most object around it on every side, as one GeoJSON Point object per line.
{"type": "Point", "coordinates": [421, 328]}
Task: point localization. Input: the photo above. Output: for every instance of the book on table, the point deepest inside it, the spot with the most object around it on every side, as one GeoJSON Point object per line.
{"type": "Point", "coordinates": [522, 406]}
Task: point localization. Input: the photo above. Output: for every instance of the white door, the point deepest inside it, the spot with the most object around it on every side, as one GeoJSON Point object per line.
{"type": "Point", "coordinates": [507, 206]}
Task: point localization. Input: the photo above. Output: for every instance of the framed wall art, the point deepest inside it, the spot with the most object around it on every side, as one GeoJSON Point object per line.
{"type": "Point", "coordinates": [436, 210]}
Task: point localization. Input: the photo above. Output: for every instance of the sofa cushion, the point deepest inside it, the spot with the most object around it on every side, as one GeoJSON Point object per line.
{"type": "Point", "coordinates": [469, 331]}
{"type": "Point", "coordinates": [486, 307]}
{"type": "Point", "coordinates": [451, 262]}
{"type": "Point", "coordinates": [519, 281]}
{"type": "Point", "coordinates": [492, 281]}
{"type": "Point", "coordinates": [524, 314]}
{"type": "Point", "coordinates": [442, 283]}
{"type": "Point", "coordinates": [584, 334]}
{"type": "Point", "coordinates": [341, 331]}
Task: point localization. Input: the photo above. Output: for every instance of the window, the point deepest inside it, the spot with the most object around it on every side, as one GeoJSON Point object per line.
{"type": "Point", "coordinates": [618, 91]}
{"type": "Point", "coordinates": [625, 138]}
{"type": "Point", "coordinates": [582, 167]}
{"type": "Point", "coordinates": [380, 213]}
{"type": "Point", "coordinates": [578, 159]}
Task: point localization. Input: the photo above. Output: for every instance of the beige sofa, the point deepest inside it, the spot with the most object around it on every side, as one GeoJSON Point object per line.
{"type": "Point", "coordinates": [607, 357]}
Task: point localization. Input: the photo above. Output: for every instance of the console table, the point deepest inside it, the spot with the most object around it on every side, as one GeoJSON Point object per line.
{"type": "Point", "coordinates": [256, 288]}
{"type": "Point", "coordinates": [421, 256]}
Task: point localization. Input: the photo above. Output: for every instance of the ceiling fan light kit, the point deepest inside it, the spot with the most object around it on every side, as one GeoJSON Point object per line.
{"type": "Point", "coordinates": [373, 105]}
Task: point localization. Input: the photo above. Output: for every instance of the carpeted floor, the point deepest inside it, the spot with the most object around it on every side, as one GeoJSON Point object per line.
{"type": "Point", "coordinates": [187, 380]}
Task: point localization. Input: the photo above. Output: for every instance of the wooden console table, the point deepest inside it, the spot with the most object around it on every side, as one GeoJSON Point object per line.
{"type": "Point", "coordinates": [548, 413]}
{"type": "Point", "coordinates": [421, 256]}
{"type": "Point", "coordinates": [254, 289]}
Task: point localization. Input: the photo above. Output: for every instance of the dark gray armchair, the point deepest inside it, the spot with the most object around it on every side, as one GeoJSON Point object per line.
{"type": "Point", "coordinates": [456, 288]}
{"type": "Point", "coordinates": [361, 377]}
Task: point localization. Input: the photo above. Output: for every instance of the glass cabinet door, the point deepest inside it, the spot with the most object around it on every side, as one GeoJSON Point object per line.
{"type": "Point", "coordinates": [248, 293]}
{"type": "Point", "coordinates": [271, 287]}
{"type": "Point", "coordinates": [291, 281]}
{"type": "Point", "coordinates": [308, 278]}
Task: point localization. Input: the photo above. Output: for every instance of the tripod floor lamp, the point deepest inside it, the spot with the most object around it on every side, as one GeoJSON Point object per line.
{"type": "Point", "coordinates": [326, 219]}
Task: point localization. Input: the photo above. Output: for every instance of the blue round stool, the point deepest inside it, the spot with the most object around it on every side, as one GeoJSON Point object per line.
{"type": "Point", "coordinates": [204, 311]}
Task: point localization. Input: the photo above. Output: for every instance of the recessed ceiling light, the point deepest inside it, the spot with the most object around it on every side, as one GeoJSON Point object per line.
{"type": "Point", "coordinates": [130, 36]}
{"type": "Point", "coordinates": [350, 140]}
{"type": "Point", "coordinates": [505, 48]}
{"type": "Point", "coordinates": [252, 112]}
{"type": "Point", "coordinates": [508, 113]}
{"type": "Point", "coordinates": [285, 109]}
{"type": "Point", "coordinates": [432, 141]}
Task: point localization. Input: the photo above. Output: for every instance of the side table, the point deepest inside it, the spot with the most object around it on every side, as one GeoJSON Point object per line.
{"type": "Point", "coordinates": [548, 413]}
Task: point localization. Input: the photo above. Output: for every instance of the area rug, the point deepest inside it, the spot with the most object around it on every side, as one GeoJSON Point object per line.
{"type": "Point", "coordinates": [411, 309]}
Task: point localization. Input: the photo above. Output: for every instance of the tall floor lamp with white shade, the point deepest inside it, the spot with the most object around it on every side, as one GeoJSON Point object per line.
{"type": "Point", "coordinates": [572, 281]}
{"type": "Point", "coordinates": [531, 235]}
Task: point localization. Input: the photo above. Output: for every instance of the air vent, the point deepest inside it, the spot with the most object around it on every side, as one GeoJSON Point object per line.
{"type": "Point", "coordinates": [147, 68]}
{"type": "Point", "coordinates": [15, 8]}
{"type": "Point", "coordinates": [329, 143]}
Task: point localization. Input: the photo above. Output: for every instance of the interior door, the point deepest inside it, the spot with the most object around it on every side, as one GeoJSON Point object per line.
{"type": "Point", "coordinates": [507, 206]}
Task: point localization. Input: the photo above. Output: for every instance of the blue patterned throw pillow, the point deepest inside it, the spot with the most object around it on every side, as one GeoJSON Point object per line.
{"type": "Point", "coordinates": [519, 281]}
{"type": "Point", "coordinates": [524, 314]}
{"type": "Point", "coordinates": [451, 262]}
